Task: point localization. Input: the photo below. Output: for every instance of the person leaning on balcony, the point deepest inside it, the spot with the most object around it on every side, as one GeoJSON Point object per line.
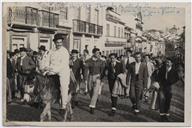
{"type": "Point", "coordinates": [59, 65]}
{"type": "Point", "coordinates": [94, 68]}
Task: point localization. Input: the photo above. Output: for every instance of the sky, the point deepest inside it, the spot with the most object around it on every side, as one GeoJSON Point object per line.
{"type": "Point", "coordinates": [156, 16]}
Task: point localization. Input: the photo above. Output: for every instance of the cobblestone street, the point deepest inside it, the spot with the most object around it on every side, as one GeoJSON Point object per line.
{"type": "Point", "coordinates": [124, 113]}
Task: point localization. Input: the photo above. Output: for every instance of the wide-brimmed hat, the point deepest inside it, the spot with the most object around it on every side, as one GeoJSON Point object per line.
{"type": "Point", "coordinates": [42, 48]}
{"type": "Point", "coordinates": [59, 36]}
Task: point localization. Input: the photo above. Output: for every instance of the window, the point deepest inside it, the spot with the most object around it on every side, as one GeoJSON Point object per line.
{"type": "Point", "coordinates": [96, 16]}
{"type": "Point", "coordinates": [77, 13]}
{"type": "Point", "coordinates": [63, 14]}
{"type": "Point", "coordinates": [76, 44]}
{"type": "Point", "coordinates": [88, 13]}
{"type": "Point", "coordinates": [108, 30]}
{"type": "Point", "coordinates": [118, 31]}
{"type": "Point", "coordinates": [115, 31]}
{"type": "Point", "coordinates": [122, 32]}
{"type": "Point", "coordinates": [31, 15]}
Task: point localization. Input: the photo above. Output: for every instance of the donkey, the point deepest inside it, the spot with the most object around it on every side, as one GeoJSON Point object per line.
{"type": "Point", "coordinates": [48, 92]}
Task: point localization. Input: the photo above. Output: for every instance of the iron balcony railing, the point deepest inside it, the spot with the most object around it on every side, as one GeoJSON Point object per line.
{"type": "Point", "coordinates": [23, 15]}
{"type": "Point", "coordinates": [48, 19]}
{"type": "Point", "coordinates": [80, 26]}
{"type": "Point", "coordinates": [114, 44]}
{"type": "Point", "coordinates": [32, 17]}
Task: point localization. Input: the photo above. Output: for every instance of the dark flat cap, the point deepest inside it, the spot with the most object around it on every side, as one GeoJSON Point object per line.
{"type": "Point", "coordinates": [16, 51]}
{"type": "Point", "coordinates": [23, 49]}
{"type": "Point", "coordinates": [113, 54]}
{"type": "Point", "coordinates": [74, 51]}
{"type": "Point", "coordinates": [42, 48]}
{"type": "Point", "coordinates": [95, 50]}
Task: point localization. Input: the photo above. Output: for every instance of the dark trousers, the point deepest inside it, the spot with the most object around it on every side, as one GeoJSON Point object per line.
{"type": "Point", "coordinates": [165, 96]}
{"type": "Point", "coordinates": [113, 98]}
{"type": "Point", "coordinates": [20, 83]}
{"type": "Point", "coordinates": [136, 95]}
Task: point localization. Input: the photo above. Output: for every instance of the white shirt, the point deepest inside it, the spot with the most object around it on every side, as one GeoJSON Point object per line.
{"type": "Point", "coordinates": [21, 63]}
{"type": "Point", "coordinates": [59, 61]}
{"type": "Point", "coordinates": [167, 71]}
{"type": "Point", "coordinates": [131, 60]}
{"type": "Point", "coordinates": [150, 68]}
{"type": "Point", "coordinates": [44, 61]}
{"type": "Point", "coordinates": [137, 66]}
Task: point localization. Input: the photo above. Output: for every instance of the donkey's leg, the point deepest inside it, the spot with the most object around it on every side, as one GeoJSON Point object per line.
{"type": "Point", "coordinates": [46, 112]}
{"type": "Point", "coordinates": [70, 110]}
{"type": "Point", "coordinates": [49, 111]}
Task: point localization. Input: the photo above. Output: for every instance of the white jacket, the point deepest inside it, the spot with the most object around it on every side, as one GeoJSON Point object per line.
{"type": "Point", "coordinates": [59, 61]}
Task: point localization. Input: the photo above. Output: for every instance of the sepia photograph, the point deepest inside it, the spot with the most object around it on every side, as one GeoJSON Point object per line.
{"type": "Point", "coordinates": [91, 62]}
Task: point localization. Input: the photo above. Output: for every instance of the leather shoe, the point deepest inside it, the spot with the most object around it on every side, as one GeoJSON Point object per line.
{"type": "Point", "coordinates": [91, 110]}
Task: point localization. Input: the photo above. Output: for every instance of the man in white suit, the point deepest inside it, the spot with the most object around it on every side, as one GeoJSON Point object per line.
{"type": "Point", "coordinates": [59, 64]}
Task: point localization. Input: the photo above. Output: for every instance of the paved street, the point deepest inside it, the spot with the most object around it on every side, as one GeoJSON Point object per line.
{"type": "Point", "coordinates": [124, 113]}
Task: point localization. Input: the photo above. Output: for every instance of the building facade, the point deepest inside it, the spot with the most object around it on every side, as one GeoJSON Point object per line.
{"type": "Point", "coordinates": [87, 27]}
{"type": "Point", "coordinates": [113, 32]}
{"type": "Point", "coordinates": [31, 27]}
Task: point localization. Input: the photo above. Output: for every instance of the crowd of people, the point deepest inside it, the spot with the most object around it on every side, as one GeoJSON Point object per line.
{"type": "Point", "coordinates": [134, 76]}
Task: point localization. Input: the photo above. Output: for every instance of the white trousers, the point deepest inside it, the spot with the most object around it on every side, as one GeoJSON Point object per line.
{"type": "Point", "coordinates": [64, 88]}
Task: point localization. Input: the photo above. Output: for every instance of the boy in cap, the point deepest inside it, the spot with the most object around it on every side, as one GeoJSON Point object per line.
{"type": "Point", "coordinates": [76, 65]}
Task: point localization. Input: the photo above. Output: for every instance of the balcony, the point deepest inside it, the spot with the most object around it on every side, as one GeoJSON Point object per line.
{"type": "Point", "coordinates": [23, 16]}
{"type": "Point", "coordinates": [115, 44]}
{"type": "Point", "coordinates": [48, 19]}
{"type": "Point", "coordinates": [83, 27]}
{"type": "Point", "coordinates": [32, 17]}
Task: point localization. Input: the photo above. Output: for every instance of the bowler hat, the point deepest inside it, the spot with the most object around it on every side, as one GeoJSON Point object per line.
{"type": "Point", "coordinates": [95, 50]}
{"type": "Point", "coordinates": [23, 49]}
{"type": "Point", "coordinates": [42, 48]}
{"type": "Point", "coordinates": [16, 51]}
{"type": "Point", "coordinates": [59, 36]}
{"type": "Point", "coordinates": [74, 51]}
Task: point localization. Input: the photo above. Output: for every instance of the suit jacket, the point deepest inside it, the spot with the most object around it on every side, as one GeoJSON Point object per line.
{"type": "Point", "coordinates": [112, 75]}
{"type": "Point", "coordinates": [172, 77]}
{"type": "Point", "coordinates": [27, 65]}
{"type": "Point", "coordinates": [141, 82]}
{"type": "Point", "coordinates": [9, 69]}
{"type": "Point", "coordinates": [77, 68]}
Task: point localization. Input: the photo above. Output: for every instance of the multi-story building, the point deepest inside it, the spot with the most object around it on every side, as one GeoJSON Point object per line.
{"type": "Point", "coordinates": [139, 32]}
{"type": "Point", "coordinates": [87, 27]}
{"type": "Point", "coordinates": [32, 26]}
{"type": "Point", "coordinates": [113, 32]}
